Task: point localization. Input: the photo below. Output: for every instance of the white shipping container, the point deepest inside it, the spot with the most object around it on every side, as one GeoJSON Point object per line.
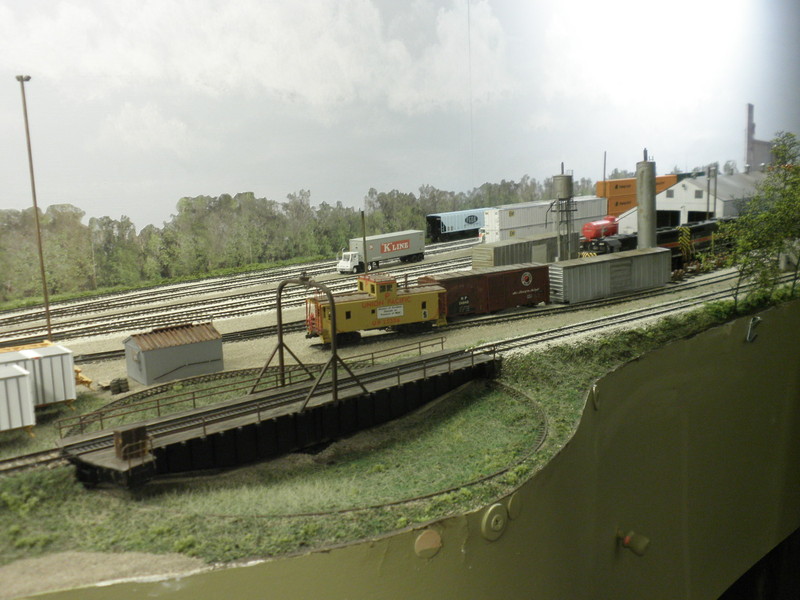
{"type": "Point", "coordinates": [16, 398]}
{"type": "Point", "coordinates": [53, 374]}
{"type": "Point", "coordinates": [583, 279]}
{"type": "Point", "coordinates": [21, 360]}
{"type": "Point", "coordinates": [528, 219]}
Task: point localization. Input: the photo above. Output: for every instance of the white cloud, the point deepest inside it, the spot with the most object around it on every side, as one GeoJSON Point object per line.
{"type": "Point", "coordinates": [144, 130]}
{"type": "Point", "coordinates": [318, 53]}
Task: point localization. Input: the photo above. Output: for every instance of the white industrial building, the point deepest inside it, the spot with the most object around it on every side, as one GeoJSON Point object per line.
{"type": "Point", "coordinates": [697, 199]}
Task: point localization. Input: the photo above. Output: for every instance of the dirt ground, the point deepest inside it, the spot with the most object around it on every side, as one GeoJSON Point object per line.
{"type": "Point", "coordinates": [68, 570]}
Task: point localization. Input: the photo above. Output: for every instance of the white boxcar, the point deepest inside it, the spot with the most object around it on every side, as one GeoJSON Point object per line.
{"type": "Point", "coordinates": [53, 374]}
{"type": "Point", "coordinates": [583, 279]}
{"type": "Point", "coordinates": [528, 219]}
{"type": "Point", "coordinates": [16, 398]}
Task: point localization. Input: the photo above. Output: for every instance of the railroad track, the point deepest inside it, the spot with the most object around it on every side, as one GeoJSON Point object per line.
{"type": "Point", "coordinates": [299, 326]}
{"type": "Point", "coordinates": [51, 457]}
{"type": "Point", "coordinates": [216, 285]}
{"type": "Point", "coordinates": [206, 309]}
{"type": "Point", "coordinates": [270, 400]}
{"type": "Point", "coordinates": [214, 414]}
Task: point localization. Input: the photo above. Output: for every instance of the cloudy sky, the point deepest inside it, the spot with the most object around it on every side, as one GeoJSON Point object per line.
{"type": "Point", "coordinates": [134, 104]}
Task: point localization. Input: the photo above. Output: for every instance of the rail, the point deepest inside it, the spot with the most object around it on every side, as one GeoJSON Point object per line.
{"type": "Point", "coordinates": [160, 406]}
{"type": "Point", "coordinates": [371, 358]}
{"type": "Point", "coordinates": [295, 397]}
{"type": "Point", "coordinates": [206, 417]}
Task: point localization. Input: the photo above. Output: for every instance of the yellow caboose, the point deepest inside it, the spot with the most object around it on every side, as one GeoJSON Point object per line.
{"type": "Point", "coordinates": [379, 303]}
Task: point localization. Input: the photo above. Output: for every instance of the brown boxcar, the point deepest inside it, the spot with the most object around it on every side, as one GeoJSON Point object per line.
{"type": "Point", "coordinates": [482, 291]}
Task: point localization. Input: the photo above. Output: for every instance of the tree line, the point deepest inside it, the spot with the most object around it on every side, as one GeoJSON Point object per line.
{"type": "Point", "coordinates": [209, 234]}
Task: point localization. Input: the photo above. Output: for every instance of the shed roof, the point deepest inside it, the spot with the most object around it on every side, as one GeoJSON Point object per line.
{"type": "Point", "coordinates": [178, 335]}
{"type": "Point", "coordinates": [728, 187]}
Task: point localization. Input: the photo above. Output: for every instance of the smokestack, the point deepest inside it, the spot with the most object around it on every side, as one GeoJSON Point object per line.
{"type": "Point", "coordinates": [646, 199]}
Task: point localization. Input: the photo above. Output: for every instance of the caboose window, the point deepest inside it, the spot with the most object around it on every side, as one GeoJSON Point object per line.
{"type": "Point", "coordinates": [371, 288]}
{"type": "Point", "coordinates": [360, 286]}
{"type": "Point", "coordinates": [347, 314]}
{"type": "Point", "coordinates": [424, 305]}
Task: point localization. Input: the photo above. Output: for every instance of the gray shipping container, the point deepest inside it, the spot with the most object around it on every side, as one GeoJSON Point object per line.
{"type": "Point", "coordinates": [583, 279]}
{"type": "Point", "coordinates": [534, 249]}
{"type": "Point", "coordinates": [16, 398]}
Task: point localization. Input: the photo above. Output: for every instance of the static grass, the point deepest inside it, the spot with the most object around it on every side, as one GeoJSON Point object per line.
{"type": "Point", "coordinates": [44, 435]}
{"type": "Point", "coordinates": [264, 510]}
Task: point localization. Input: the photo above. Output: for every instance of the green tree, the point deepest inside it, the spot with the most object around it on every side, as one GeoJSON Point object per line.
{"type": "Point", "coordinates": [770, 223]}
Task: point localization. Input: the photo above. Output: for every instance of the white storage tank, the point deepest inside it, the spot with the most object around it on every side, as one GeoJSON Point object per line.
{"type": "Point", "coordinates": [583, 279]}
{"type": "Point", "coordinates": [53, 374]}
{"type": "Point", "coordinates": [16, 398]}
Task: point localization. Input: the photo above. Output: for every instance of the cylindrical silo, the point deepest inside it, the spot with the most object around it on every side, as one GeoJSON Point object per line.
{"type": "Point", "coordinates": [646, 200]}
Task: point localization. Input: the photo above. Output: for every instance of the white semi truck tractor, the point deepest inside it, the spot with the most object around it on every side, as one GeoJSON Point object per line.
{"type": "Point", "coordinates": [408, 246]}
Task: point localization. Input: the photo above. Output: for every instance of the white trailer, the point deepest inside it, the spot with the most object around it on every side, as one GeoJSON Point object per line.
{"type": "Point", "coordinates": [528, 219]}
{"type": "Point", "coordinates": [408, 246]}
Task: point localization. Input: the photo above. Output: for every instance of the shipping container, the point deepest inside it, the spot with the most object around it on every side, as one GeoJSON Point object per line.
{"type": "Point", "coordinates": [583, 279]}
{"type": "Point", "coordinates": [534, 249]}
{"type": "Point", "coordinates": [53, 374]}
{"type": "Point", "coordinates": [51, 368]}
{"type": "Point", "coordinates": [482, 291]}
{"type": "Point", "coordinates": [16, 398]}
{"type": "Point", "coordinates": [527, 219]}
{"type": "Point", "coordinates": [21, 360]}
{"type": "Point", "coordinates": [455, 224]}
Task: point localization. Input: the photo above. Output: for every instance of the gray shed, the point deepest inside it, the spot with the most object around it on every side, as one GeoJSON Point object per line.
{"type": "Point", "coordinates": [169, 353]}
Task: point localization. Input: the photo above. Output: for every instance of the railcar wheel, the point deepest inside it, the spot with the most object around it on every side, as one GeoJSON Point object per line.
{"type": "Point", "coordinates": [348, 338]}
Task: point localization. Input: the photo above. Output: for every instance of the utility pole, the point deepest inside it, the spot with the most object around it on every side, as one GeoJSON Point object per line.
{"type": "Point", "coordinates": [22, 79]}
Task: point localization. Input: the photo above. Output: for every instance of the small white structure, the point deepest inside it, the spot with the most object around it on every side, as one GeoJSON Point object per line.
{"type": "Point", "coordinates": [170, 353]}
{"type": "Point", "coordinates": [16, 398]}
{"type": "Point", "coordinates": [697, 199]}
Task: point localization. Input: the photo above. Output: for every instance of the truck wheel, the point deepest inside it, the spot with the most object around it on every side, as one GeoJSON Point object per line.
{"type": "Point", "coordinates": [355, 270]}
